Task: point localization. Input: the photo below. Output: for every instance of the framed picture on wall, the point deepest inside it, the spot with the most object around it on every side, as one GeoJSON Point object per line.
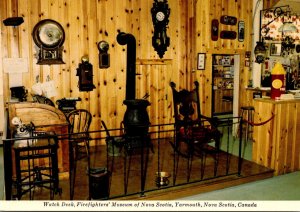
{"type": "Point", "coordinates": [201, 61]}
{"type": "Point", "coordinates": [275, 49]}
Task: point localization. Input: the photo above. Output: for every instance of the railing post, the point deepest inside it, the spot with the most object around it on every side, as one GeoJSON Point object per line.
{"type": "Point", "coordinates": [240, 146]}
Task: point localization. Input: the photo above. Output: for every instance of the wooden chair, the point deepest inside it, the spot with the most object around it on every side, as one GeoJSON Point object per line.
{"type": "Point", "coordinates": [193, 131]}
{"type": "Point", "coordinates": [79, 124]}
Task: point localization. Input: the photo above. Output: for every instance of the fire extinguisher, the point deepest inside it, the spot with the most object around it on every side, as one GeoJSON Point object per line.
{"type": "Point", "coordinates": [277, 81]}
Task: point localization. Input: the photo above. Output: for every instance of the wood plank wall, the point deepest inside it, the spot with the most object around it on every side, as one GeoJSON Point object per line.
{"type": "Point", "coordinates": [86, 22]}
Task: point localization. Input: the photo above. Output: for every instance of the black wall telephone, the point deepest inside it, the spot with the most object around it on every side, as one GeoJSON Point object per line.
{"type": "Point", "coordinates": [85, 73]}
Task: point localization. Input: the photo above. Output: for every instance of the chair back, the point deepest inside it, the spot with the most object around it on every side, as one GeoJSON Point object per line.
{"type": "Point", "coordinates": [79, 121]}
{"type": "Point", "coordinates": [186, 103]}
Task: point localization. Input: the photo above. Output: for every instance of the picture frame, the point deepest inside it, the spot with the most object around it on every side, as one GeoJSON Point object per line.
{"type": "Point", "coordinates": [201, 61]}
{"type": "Point", "coordinates": [275, 49]}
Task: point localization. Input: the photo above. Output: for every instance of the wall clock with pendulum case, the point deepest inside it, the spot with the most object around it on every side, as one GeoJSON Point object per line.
{"type": "Point", "coordinates": [160, 18]}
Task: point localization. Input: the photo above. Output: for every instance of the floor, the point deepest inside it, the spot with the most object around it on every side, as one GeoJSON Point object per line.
{"type": "Point", "coordinates": [286, 186]}
{"type": "Point", "coordinates": [283, 187]}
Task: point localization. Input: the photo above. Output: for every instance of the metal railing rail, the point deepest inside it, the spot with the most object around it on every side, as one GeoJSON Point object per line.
{"type": "Point", "coordinates": [231, 131]}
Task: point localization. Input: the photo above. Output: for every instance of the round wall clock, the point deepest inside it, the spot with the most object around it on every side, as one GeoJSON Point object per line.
{"type": "Point", "coordinates": [160, 18]}
{"type": "Point", "coordinates": [49, 36]}
{"type": "Point", "coordinates": [104, 57]}
{"type": "Point", "coordinates": [103, 46]}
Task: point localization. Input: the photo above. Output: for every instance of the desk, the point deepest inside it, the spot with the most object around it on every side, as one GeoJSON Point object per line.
{"type": "Point", "coordinates": [277, 143]}
{"type": "Point", "coordinates": [45, 118]}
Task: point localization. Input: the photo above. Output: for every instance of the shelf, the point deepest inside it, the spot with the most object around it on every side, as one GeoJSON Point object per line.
{"type": "Point", "coordinates": [223, 79]}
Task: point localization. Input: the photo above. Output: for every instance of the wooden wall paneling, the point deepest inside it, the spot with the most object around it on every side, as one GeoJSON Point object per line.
{"type": "Point", "coordinates": [296, 143]}
{"type": "Point", "coordinates": [143, 80]}
{"type": "Point", "coordinates": [291, 125]}
{"type": "Point", "coordinates": [13, 38]}
{"type": "Point", "coordinates": [34, 16]}
{"type": "Point", "coordinates": [206, 85]}
{"type": "Point", "coordinates": [145, 30]}
{"type": "Point", "coordinates": [74, 48]}
{"type": "Point", "coordinates": [218, 14]}
{"type": "Point", "coordinates": [182, 47]}
{"type": "Point", "coordinates": [24, 44]}
{"type": "Point", "coordinates": [2, 111]}
{"type": "Point", "coordinates": [160, 93]}
{"type": "Point", "coordinates": [261, 149]}
{"type": "Point", "coordinates": [176, 44]}
{"type": "Point", "coordinates": [287, 126]}
{"type": "Point", "coordinates": [232, 11]}
{"type": "Point", "coordinates": [206, 92]}
{"type": "Point", "coordinates": [202, 41]}
{"type": "Point", "coordinates": [65, 69]}
{"type": "Point", "coordinates": [84, 48]}
{"type": "Point", "coordinates": [124, 16]}
{"type": "Point", "coordinates": [214, 14]}
{"type": "Point", "coordinates": [93, 52]}
{"type": "Point", "coordinates": [92, 98]}
{"type": "Point", "coordinates": [109, 17]}
{"type": "Point", "coordinates": [275, 142]}
{"type": "Point", "coordinates": [4, 45]}
{"type": "Point", "coordinates": [101, 28]}
{"type": "Point", "coordinates": [225, 11]}
{"type": "Point", "coordinates": [153, 110]}
{"type": "Point", "coordinates": [278, 162]}
{"type": "Point", "coordinates": [169, 96]}
{"type": "Point", "coordinates": [191, 54]}
{"type": "Point", "coordinates": [113, 21]}
{"type": "Point", "coordinates": [222, 46]}
{"type": "Point", "coordinates": [45, 10]}
{"type": "Point", "coordinates": [191, 40]}
{"type": "Point", "coordinates": [13, 31]}
{"type": "Point", "coordinates": [245, 72]}
{"type": "Point", "coordinates": [121, 62]}
{"type": "Point", "coordinates": [55, 11]}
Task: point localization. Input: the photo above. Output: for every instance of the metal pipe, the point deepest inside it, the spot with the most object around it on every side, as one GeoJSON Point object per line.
{"type": "Point", "coordinates": [123, 39]}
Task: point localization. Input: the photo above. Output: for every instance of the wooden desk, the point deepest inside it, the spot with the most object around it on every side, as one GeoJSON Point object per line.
{"type": "Point", "coordinates": [45, 118]}
{"type": "Point", "coordinates": [277, 143]}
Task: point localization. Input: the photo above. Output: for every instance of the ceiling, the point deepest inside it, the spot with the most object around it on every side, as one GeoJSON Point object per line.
{"type": "Point", "coordinates": [294, 5]}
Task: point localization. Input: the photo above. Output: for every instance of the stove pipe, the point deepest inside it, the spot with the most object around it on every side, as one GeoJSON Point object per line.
{"type": "Point", "coordinates": [123, 39]}
{"type": "Point", "coordinates": [136, 119]}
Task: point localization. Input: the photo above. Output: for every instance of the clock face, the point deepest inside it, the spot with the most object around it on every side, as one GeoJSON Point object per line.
{"type": "Point", "coordinates": [160, 16]}
{"type": "Point", "coordinates": [103, 46]}
{"type": "Point", "coordinates": [48, 34]}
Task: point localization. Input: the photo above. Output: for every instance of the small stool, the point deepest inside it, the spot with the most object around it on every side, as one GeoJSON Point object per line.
{"type": "Point", "coordinates": [248, 110]}
{"type": "Point", "coordinates": [36, 174]}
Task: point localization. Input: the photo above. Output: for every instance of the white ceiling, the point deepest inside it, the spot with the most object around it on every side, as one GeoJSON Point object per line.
{"type": "Point", "coordinates": [294, 5]}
